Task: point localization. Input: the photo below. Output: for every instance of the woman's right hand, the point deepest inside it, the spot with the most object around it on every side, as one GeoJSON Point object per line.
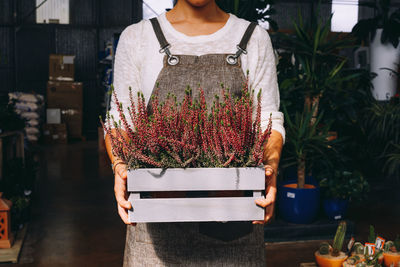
{"type": "Point", "coordinates": [121, 195]}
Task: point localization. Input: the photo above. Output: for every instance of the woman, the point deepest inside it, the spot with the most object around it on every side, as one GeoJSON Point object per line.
{"type": "Point", "coordinates": [197, 43]}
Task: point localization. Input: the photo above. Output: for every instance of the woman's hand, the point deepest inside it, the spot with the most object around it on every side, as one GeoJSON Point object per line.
{"type": "Point", "coordinates": [271, 157]}
{"type": "Point", "coordinates": [121, 194]}
{"type": "Point", "coordinates": [270, 195]}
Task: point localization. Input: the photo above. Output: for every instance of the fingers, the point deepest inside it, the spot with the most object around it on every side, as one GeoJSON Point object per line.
{"type": "Point", "coordinates": [120, 187]}
{"type": "Point", "coordinates": [268, 170]}
{"type": "Point", "coordinates": [269, 212]}
{"type": "Point", "coordinates": [123, 213]}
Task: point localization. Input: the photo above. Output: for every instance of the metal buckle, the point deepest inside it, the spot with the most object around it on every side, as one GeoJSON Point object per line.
{"type": "Point", "coordinates": [233, 59]}
{"type": "Point", "coordinates": [173, 60]}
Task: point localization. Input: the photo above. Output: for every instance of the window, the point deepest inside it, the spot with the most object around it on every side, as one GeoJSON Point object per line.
{"type": "Point", "coordinates": [153, 8]}
{"type": "Point", "coordinates": [345, 15]}
{"type": "Point", "coordinates": [52, 11]}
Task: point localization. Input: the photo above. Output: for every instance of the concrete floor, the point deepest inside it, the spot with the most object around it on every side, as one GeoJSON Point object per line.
{"type": "Point", "coordinates": [75, 223]}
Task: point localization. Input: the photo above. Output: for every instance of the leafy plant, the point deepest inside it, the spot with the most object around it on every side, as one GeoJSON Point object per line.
{"type": "Point", "coordinates": [180, 135]}
{"type": "Point", "coordinates": [344, 185]}
{"type": "Point", "coordinates": [306, 142]}
{"type": "Point", "coordinates": [316, 65]}
{"type": "Point", "coordinates": [388, 21]}
{"type": "Point", "coordinates": [380, 123]}
{"type": "Point", "coordinates": [252, 10]}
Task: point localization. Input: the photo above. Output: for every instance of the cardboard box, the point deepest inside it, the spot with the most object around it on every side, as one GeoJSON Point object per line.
{"type": "Point", "coordinates": [55, 133]}
{"type": "Point", "coordinates": [61, 67]}
{"type": "Point", "coordinates": [73, 119]}
{"type": "Point", "coordinates": [64, 95]}
{"type": "Point", "coordinates": [67, 96]}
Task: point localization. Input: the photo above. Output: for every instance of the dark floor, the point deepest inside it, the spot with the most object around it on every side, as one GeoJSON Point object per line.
{"type": "Point", "coordinates": [75, 223]}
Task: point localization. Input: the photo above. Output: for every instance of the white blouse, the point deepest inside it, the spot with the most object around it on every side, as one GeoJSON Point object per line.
{"type": "Point", "coordinates": [138, 61]}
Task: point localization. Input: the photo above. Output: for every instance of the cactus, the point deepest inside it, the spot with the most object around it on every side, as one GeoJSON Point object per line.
{"type": "Point", "coordinates": [358, 248]}
{"type": "Point", "coordinates": [324, 248]}
{"type": "Point", "coordinates": [388, 246]}
{"type": "Point", "coordinates": [339, 239]}
{"type": "Point", "coordinates": [353, 259]}
{"type": "Point", "coordinates": [372, 236]}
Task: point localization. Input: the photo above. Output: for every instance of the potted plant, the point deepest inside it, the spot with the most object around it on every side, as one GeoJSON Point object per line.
{"type": "Point", "coordinates": [188, 147]}
{"type": "Point", "coordinates": [310, 66]}
{"type": "Point", "coordinates": [338, 188]}
{"type": "Point", "coordinates": [332, 256]}
{"type": "Point", "coordinates": [298, 198]}
{"type": "Point", "coordinates": [391, 253]}
{"type": "Point", "coordinates": [383, 33]}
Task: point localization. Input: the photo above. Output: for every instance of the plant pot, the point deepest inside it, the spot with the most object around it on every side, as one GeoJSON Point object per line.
{"type": "Point", "coordinates": [195, 209]}
{"type": "Point", "coordinates": [329, 261]}
{"type": "Point", "coordinates": [383, 56]}
{"type": "Point", "coordinates": [390, 258]}
{"type": "Point", "coordinates": [335, 208]}
{"type": "Point", "coordinates": [298, 205]}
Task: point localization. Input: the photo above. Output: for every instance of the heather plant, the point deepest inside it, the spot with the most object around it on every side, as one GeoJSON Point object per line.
{"type": "Point", "coordinates": [188, 134]}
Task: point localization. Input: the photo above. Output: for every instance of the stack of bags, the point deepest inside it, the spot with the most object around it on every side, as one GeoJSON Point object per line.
{"type": "Point", "coordinates": [31, 108]}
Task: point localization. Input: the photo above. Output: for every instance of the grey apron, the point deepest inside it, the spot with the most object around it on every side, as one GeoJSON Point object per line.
{"type": "Point", "coordinates": [196, 244]}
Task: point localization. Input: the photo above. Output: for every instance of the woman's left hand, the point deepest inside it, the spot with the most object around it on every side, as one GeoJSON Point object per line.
{"type": "Point", "coordinates": [270, 195]}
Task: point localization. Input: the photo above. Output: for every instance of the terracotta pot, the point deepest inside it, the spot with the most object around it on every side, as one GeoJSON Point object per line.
{"type": "Point", "coordinates": [391, 258]}
{"type": "Point", "coordinates": [329, 261]}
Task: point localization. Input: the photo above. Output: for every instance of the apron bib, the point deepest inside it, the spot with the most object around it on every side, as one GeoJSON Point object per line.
{"type": "Point", "coordinates": [208, 243]}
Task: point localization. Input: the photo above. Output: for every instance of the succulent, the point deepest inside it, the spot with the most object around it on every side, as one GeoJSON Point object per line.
{"type": "Point", "coordinates": [372, 260]}
{"type": "Point", "coordinates": [339, 239]}
{"type": "Point", "coordinates": [388, 246]}
{"type": "Point", "coordinates": [353, 259]}
{"type": "Point", "coordinates": [392, 246]}
{"type": "Point", "coordinates": [361, 264]}
{"type": "Point", "coordinates": [358, 248]}
{"type": "Point", "coordinates": [324, 248]}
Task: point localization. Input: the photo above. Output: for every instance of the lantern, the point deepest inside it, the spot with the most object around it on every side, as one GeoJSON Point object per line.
{"type": "Point", "coordinates": [6, 239]}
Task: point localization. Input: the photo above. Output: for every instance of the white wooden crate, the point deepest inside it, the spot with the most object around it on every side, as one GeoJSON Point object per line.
{"type": "Point", "coordinates": [195, 209]}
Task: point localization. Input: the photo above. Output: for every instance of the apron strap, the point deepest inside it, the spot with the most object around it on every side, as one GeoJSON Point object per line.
{"type": "Point", "coordinates": [172, 60]}
{"type": "Point", "coordinates": [247, 35]}
{"type": "Point", "coordinates": [233, 59]}
{"type": "Point", "coordinates": [159, 34]}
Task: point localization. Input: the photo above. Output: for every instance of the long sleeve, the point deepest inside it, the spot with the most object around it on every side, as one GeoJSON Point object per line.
{"type": "Point", "coordinates": [265, 78]}
{"type": "Point", "coordinates": [126, 70]}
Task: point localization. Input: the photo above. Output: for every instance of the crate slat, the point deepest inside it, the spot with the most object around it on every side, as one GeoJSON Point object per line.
{"type": "Point", "coordinates": [196, 179]}
{"type": "Point", "coordinates": [195, 209]}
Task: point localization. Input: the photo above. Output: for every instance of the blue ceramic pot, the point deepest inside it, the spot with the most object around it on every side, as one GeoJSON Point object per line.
{"type": "Point", "coordinates": [335, 208]}
{"type": "Point", "coordinates": [298, 205]}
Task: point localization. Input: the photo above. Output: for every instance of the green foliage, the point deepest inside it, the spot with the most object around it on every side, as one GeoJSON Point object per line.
{"type": "Point", "coordinates": [304, 140]}
{"type": "Point", "coordinates": [380, 123]}
{"type": "Point", "coordinates": [373, 260]}
{"type": "Point", "coordinates": [251, 10]}
{"type": "Point", "coordinates": [384, 19]}
{"type": "Point", "coordinates": [312, 50]}
{"type": "Point", "coordinates": [344, 185]}
{"type": "Point", "coordinates": [372, 236]}
{"type": "Point", "coordinates": [339, 238]}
